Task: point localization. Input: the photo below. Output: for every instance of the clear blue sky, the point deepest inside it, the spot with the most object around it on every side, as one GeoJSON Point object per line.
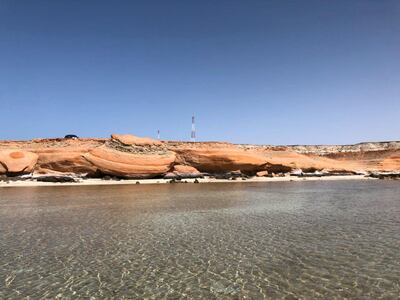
{"type": "Point", "coordinates": [267, 72]}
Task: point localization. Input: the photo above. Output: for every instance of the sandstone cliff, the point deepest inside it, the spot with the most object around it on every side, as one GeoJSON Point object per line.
{"type": "Point", "coordinates": [128, 156]}
{"type": "Point", "coordinates": [131, 157]}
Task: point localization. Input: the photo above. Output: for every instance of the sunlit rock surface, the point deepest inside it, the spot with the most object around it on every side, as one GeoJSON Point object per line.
{"type": "Point", "coordinates": [128, 139]}
{"type": "Point", "coordinates": [14, 162]}
{"type": "Point", "coordinates": [131, 165]}
{"type": "Point", "coordinates": [215, 157]}
{"type": "Point", "coordinates": [125, 155]}
{"type": "Point", "coordinates": [185, 171]}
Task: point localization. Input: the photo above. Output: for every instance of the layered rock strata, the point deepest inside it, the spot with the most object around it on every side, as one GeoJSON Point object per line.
{"type": "Point", "coordinates": [131, 157]}
{"type": "Point", "coordinates": [128, 156]}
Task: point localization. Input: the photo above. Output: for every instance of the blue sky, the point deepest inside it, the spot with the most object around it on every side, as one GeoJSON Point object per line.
{"type": "Point", "coordinates": [265, 72]}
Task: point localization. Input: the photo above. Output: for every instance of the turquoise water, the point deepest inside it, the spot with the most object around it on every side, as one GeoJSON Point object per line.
{"type": "Point", "coordinates": [284, 240]}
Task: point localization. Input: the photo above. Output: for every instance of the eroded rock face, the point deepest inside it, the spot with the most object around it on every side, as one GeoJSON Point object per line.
{"type": "Point", "coordinates": [283, 161]}
{"type": "Point", "coordinates": [186, 171]}
{"type": "Point", "coordinates": [131, 157]}
{"type": "Point", "coordinates": [222, 160]}
{"type": "Point", "coordinates": [64, 161]}
{"type": "Point", "coordinates": [17, 162]}
{"type": "Point", "coordinates": [3, 170]}
{"type": "Point", "coordinates": [356, 148]}
{"type": "Point", "coordinates": [128, 139]}
{"type": "Point", "coordinates": [182, 169]}
{"type": "Point", "coordinates": [130, 165]}
{"type": "Point", "coordinates": [392, 162]}
{"type": "Point", "coordinates": [134, 157]}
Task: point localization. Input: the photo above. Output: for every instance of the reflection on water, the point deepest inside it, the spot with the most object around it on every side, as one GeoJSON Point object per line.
{"type": "Point", "coordinates": [242, 240]}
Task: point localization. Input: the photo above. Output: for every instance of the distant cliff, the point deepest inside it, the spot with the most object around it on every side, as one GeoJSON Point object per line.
{"type": "Point", "coordinates": [127, 156]}
{"type": "Point", "coordinates": [333, 149]}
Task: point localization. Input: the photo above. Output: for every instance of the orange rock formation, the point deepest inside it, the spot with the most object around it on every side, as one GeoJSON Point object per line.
{"type": "Point", "coordinates": [131, 165]}
{"type": "Point", "coordinates": [17, 162]}
{"type": "Point", "coordinates": [133, 157]}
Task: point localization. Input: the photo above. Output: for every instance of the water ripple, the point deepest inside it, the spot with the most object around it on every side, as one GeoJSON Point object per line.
{"type": "Point", "coordinates": [307, 240]}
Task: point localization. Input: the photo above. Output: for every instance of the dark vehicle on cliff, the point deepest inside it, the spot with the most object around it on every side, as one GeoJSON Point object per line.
{"type": "Point", "coordinates": [71, 136]}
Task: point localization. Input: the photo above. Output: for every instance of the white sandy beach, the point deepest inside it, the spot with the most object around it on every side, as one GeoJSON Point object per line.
{"type": "Point", "coordinates": [32, 183]}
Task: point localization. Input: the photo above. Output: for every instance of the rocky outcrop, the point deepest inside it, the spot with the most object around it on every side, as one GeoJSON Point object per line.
{"type": "Point", "coordinates": [131, 157]}
{"type": "Point", "coordinates": [386, 175]}
{"type": "Point", "coordinates": [283, 161]}
{"type": "Point", "coordinates": [55, 179]}
{"type": "Point", "coordinates": [262, 174]}
{"type": "Point", "coordinates": [391, 162]}
{"type": "Point", "coordinates": [128, 156]}
{"type": "Point", "coordinates": [334, 149]}
{"type": "Point", "coordinates": [182, 171]}
{"type": "Point", "coordinates": [57, 155]}
{"type": "Point", "coordinates": [380, 156]}
{"type": "Point", "coordinates": [130, 165]}
{"type": "Point", "coordinates": [128, 139]}
{"type": "Point", "coordinates": [219, 160]}
{"type": "Point", "coordinates": [217, 157]}
{"type": "Point", "coordinates": [65, 161]}
{"type": "Point", "coordinates": [16, 162]}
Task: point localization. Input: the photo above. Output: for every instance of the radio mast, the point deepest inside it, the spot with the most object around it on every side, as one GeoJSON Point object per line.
{"type": "Point", "coordinates": [193, 134]}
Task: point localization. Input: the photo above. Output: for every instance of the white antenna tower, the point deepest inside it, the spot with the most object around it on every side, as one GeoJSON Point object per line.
{"type": "Point", "coordinates": [193, 134]}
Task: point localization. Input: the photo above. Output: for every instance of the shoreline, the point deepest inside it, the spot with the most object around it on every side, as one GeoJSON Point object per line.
{"type": "Point", "coordinates": [128, 156]}
{"type": "Point", "coordinates": [94, 182]}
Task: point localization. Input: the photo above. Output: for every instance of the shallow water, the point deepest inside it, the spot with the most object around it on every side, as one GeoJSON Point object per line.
{"type": "Point", "coordinates": [286, 240]}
